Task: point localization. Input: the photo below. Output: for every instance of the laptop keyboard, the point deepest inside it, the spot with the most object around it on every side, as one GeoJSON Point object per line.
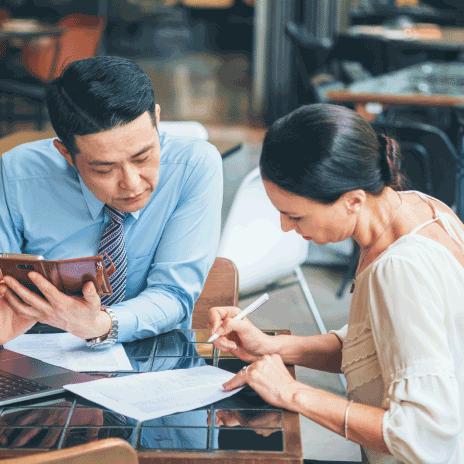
{"type": "Point", "coordinates": [12, 385]}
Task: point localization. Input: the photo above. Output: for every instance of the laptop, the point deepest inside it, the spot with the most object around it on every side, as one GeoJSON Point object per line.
{"type": "Point", "coordinates": [24, 378]}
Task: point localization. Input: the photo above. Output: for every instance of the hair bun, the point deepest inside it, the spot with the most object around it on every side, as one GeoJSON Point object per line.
{"type": "Point", "coordinates": [390, 162]}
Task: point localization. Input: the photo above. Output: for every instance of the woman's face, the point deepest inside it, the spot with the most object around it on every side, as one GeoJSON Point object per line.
{"type": "Point", "coordinates": [311, 219]}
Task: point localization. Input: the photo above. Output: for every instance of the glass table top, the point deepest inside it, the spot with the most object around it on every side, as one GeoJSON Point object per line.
{"type": "Point", "coordinates": [241, 422]}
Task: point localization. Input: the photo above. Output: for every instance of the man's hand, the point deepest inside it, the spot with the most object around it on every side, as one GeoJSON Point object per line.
{"type": "Point", "coordinates": [11, 324]}
{"type": "Point", "coordinates": [80, 316]}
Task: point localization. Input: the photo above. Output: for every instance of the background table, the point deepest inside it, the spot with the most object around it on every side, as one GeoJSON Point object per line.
{"type": "Point", "coordinates": [25, 36]}
{"type": "Point", "coordinates": [266, 434]}
{"type": "Point", "coordinates": [429, 84]}
{"type": "Point", "coordinates": [451, 38]}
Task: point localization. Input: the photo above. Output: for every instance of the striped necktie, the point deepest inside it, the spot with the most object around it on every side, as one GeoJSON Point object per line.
{"type": "Point", "coordinates": [112, 243]}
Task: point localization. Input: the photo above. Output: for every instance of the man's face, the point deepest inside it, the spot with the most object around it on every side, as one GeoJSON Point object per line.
{"type": "Point", "coordinates": [120, 166]}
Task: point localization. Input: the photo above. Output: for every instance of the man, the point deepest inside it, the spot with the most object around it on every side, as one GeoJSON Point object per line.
{"type": "Point", "coordinates": [110, 183]}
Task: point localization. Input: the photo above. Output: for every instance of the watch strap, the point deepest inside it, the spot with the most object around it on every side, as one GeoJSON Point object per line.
{"type": "Point", "coordinates": [111, 337]}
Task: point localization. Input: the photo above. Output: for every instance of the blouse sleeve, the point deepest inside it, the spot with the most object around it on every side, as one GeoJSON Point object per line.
{"type": "Point", "coordinates": [407, 314]}
{"type": "Point", "coordinates": [340, 333]}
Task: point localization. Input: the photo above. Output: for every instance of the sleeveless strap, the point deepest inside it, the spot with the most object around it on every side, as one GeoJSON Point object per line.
{"type": "Point", "coordinates": [423, 225]}
{"type": "Point", "coordinates": [450, 224]}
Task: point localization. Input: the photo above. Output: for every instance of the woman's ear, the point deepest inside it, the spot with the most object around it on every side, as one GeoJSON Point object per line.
{"type": "Point", "coordinates": [354, 200]}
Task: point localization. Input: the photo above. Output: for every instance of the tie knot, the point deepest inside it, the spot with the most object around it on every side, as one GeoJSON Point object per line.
{"type": "Point", "coordinates": [115, 215]}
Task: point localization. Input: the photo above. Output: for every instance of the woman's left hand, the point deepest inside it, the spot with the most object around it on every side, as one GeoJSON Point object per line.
{"type": "Point", "coordinates": [269, 378]}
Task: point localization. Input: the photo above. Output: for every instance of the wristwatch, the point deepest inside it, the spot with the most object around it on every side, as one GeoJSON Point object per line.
{"type": "Point", "coordinates": [110, 338]}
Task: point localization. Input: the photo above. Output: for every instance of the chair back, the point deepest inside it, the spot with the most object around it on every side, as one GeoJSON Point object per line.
{"type": "Point", "coordinates": [253, 239]}
{"type": "Point", "coordinates": [220, 289]}
{"type": "Point", "coordinates": [184, 129]}
{"type": "Point", "coordinates": [416, 165]}
{"type": "Point", "coordinates": [4, 15]}
{"type": "Point", "coordinates": [442, 155]}
{"type": "Point", "coordinates": [105, 451]}
{"type": "Point", "coordinates": [80, 38]}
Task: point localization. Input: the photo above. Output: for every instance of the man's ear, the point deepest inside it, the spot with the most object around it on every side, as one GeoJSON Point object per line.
{"type": "Point", "coordinates": [157, 114]}
{"type": "Point", "coordinates": [64, 151]}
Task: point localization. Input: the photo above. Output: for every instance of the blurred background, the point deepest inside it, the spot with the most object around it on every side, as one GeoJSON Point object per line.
{"type": "Point", "coordinates": [235, 66]}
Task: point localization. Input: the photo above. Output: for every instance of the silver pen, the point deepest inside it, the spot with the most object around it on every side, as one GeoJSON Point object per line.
{"type": "Point", "coordinates": [248, 310]}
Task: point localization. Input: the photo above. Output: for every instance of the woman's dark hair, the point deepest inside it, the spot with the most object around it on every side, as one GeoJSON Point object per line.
{"type": "Point", "coordinates": [322, 151]}
{"type": "Point", "coordinates": [97, 94]}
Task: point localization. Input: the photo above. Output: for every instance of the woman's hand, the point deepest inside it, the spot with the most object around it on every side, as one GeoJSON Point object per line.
{"type": "Point", "coordinates": [12, 325]}
{"type": "Point", "coordinates": [239, 337]}
{"type": "Point", "coordinates": [270, 379]}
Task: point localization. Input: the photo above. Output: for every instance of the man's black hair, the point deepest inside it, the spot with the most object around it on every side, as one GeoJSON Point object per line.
{"type": "Point", "coordinates": [97, 94]}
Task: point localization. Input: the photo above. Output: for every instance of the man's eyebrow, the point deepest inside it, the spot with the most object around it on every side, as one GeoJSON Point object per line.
{"type": "Point", "coordinates": [109, 163]}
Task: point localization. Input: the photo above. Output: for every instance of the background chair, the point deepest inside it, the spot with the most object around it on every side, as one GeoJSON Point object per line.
{"type": "Point", "coordinates": [4, 15]}
{"type": "Point", "coordinates": [105, 451]}
{"type": "Point", "coordinates": [430, 162]}
{"type": "Point", "coordinates": [80, 38]}
{"type": "Point", "coordinates": [220, 289]}
{"type": "Point", "coordinates": [43, 60]}
{"type": "Point", "coordinates": [185, 128]}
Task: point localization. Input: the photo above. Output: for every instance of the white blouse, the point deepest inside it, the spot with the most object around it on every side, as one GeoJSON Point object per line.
{"type": "Point", "coordinates": [403, 347]}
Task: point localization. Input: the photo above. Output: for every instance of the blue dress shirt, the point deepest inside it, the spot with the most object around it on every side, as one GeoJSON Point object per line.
{"type": "Point", "coordinates": [171, 243]}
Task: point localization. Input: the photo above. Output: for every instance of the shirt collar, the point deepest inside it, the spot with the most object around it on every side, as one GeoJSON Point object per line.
{"type": "Point", "coordinates": [94, 204]}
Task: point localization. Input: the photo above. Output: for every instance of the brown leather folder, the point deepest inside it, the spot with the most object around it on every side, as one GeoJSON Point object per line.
{"type": "Point", "coordinates": [67, 275]}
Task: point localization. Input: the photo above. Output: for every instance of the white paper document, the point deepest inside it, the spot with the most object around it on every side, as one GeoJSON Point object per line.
{"type": "Point", "coordinates": [66, 350]}
{"type": "Point", "coordinates": [155, 394]}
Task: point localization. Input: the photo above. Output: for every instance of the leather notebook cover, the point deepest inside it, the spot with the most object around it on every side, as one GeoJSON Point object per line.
{"type": "Point", "coordinates": [67, 275]}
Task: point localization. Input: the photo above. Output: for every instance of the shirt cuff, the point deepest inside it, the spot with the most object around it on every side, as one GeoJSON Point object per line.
{"type": "Point", "coordinates": [127, 323]}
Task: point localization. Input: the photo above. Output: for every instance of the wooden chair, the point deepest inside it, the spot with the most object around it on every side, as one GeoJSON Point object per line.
{"type": "Point", "coordinates": [220, 289]}
{"type": "Point", "coordinates": [105, 451]}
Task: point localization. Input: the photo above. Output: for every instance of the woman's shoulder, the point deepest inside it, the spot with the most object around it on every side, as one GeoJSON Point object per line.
{"type": "Point", "coordinates": [418, 250]}
{"type": "Point", "coordinates": [438, 206]}
{"type": "Point", "coordinates": [412, 257]}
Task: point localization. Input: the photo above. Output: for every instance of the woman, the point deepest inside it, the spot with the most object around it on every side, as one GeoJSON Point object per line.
{"type": "Point", "coordinates": [331, 177]}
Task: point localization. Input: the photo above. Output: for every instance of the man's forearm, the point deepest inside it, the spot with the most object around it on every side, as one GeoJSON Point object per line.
{"type": "Point", "coordinates": [152, 312]}
{"type": "Point", "coordinates": [321, 352]}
